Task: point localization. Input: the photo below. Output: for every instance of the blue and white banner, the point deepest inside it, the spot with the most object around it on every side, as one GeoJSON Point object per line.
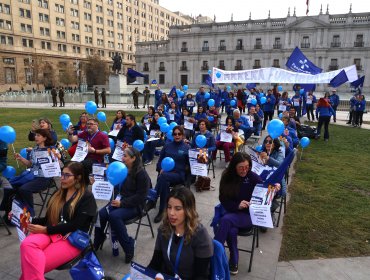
{"type": "Point", "coordinates": [298, 62]}
{"type": "Point", "coordinates": [277, 75]}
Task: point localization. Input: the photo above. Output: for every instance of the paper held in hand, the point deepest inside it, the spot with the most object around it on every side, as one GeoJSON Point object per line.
{"type": "Point", "coordinates": [260, 207]}
{"type": "Point", "coordinates": [81, 151]}
{"type": "Point", "coordinates": [198, 159]}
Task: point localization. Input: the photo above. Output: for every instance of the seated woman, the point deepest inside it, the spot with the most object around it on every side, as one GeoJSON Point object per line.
{"type": "Point", "coordinates": [228, 146]}
{"type": "Point", "coordinates": [200, 115]}
{"type": "Point", "coordinates": [236, 187]}
{"type": "Point", "coordinates": [213, 113]}
{"type": "Point", "coordinates": [178, 150]}
{"type": "Point", "coordinates": [147, 119]}
{"type": "Point", "coordinates": [78, 128]}
{"type": "Point", "coordinates": [43, 152]}
{"type": "Point", "coordinates": [187, 122]}
{"type": "Point", "coordinates": [188, 103]}
{"type": "Point", "coordinates": [182, 232]}
{"type": "Point", "coordinates": [153, 132]}
{"type": "Point", "coordinates": [129, 203]}
{"type": "Point", "coordinates": [43, 123]}
{"type": "Point", "coordinates": [173, 113]}
{"type": "Point", "coordinates": [71, 208]}
{"type": "Point", "coordinates": [203, 130]}
{"type": "Point", "coordinates": [119, 121]}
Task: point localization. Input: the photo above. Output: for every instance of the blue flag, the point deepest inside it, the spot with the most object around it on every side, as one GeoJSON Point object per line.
{"type": "Point", "coordinates": [279, 173]}
{"type": "Point", "coordinates": [298, 62]}
{"type": "Point", "coordinates": [132, 73]}
{"type": "Point", "coordinates": [250, 86]}
{"type": "Point", "coordinates": [172, 91]}
{"type": "Point", "coordinates": [208, 81]}
{"type": "Point", "coordinates": [339, 79]}
{"type": "Point", "coordinates": [358, 83]}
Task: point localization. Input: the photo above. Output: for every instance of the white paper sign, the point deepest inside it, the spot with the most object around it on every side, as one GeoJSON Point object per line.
{"type": "Point", "coordinates": [118, 151]}
{"type": "Point", "coordinates": [282, 108]}
{"type": "Point", "coordinates": [225, 136]}
{"type": "Point", "coordinates": [261, 215]}
{"type": "Point", "coordinates": [152, 139]}
{"type": "Point", "coordinates": [309, 101]}
{"type": "Point", "coordinates": [296, 103]}
{"type": "Point", "coordinates": [98, 169]}
{"type": "Point", "coordinates": [102, 190]}
{"type": "Point", "coordinates": [114, 133]}
{"type": "Point", "coordinates": [21, 218]}
{"type": "Point", "coordinates": [81, 151]}
{"type": "Point", "coordinates": [188, 125]}
{"type": "Point", "coordinates": [198, 169]}
{"type": "Point", "coordinates": [51, 169]}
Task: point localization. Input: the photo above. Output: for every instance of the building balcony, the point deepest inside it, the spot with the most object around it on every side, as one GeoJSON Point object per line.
{"type": "Point", "coordinates": [145, 69]}
{"type": "Point", "coordinates": [239, 48]}
{"type": "Point", "coordinates": [184, 49]}
{"type": "Point", "coordinates": [256, 66]}
{"type": "Point", "coordinates": [335, 44]}
{"type": "Point", "coordinates": [205, 67]}
{"type": "Point", "coordinates": [276, 46]}
{"type": "Point", "coordinates": [359, 67]}
{"type": "Point", "coordinates": [161, 69]}
{"type": "Point", "coordinates": [222, 48]}
{"type": "Point", "coordinates": [258, 46]}
{"type": "Point", "coordinates": [333, 67]}
{"type": "Point", "coordinates": [183, 68]}
{"type": "Point", "coordinates": [358, 44]}
{"type": "Point", "coordinates": [205, 49]}
{"type": "Point", "coordinates": [239, 67]}
{"type": "Point", "coordinates": [222, 67]}
{"type": "Point", "coordinates": [276, 66]}
{"type": "Point", "coordinates": [305, 45]}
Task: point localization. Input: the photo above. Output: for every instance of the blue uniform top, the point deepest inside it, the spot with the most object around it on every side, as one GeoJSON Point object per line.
{"type": "Point", "coordinates": [334, 100]}
{"type": "Point", "coordinates": [200, 99]}
{"type": "Point", "coordinates": [211, 143]}
{"type": "Point", "coordinates": [296, 98]}
{"type": "Point", "coordinates": [360, 105]}
{"type": "Point", "coordinates": [324, 112]}
{"type": "Point", "coordinates": [270, 103]}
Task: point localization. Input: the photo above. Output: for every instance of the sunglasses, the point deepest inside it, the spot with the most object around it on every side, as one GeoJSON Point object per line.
{"type": "Point", "coordinates": [176, 134]}
{"type": "Point", "coordinates": [267, 141]}
{"type": "Point", "coordinates": [66, 175]}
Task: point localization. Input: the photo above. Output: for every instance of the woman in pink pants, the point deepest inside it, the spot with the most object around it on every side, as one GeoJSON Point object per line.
{"type": "Point", "coordinates": [72, 207]}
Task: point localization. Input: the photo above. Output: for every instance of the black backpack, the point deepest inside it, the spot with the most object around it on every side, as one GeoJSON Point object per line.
{"type": "Point", "coordinates": [306, 131]}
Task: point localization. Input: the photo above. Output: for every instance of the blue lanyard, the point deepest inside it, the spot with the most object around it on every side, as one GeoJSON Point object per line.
{"type": "Point", "coordinates": [92, 137]}
{"type": "Point", "coordinates": [175, 268]}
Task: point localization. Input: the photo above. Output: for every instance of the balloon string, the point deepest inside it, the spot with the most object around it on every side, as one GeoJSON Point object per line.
{"type": "Point", "coordinates": [301, 154]}
{"type": "Point", "coordinates": [106, 125]}
{"type": "Point", "coordinates": [14, 153]}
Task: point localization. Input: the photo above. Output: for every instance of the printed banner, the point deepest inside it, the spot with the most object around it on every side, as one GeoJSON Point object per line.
{"type": "Point", "coordinates": [22, 216]}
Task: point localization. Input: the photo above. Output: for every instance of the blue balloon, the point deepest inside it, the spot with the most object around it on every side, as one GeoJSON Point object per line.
{"type": "Point", "coordinates": [207, 95]}
{"type": "Point", "coordinates": [211, 118]}
{"type": "Point", "coordinates": [209, 72]}
{"type": "Point", "coordinates": [91, 107]}
{"type": "Point", "coordinates": [126, 277]}
{"type": "Point", "coordinates": [9, 172]}
{"type": "Point", "coordinates": [280, 88]}
{"type": "Point", "coordinates": [211, 102]}
{"type": "Point", "coordinates": [261, 95]}
{"type": "Point", "coordinates": [259, 148]}
{"type": "Point", "coordinates": [201, 141]}
{"type": "Point", "coordinates": [64, 119]}
{"type": "Point", "coordinates": [178, 91]}
{"type": "Point", "coordinates": [263, 100]}
{"type": "Point", "coordinates": [275, 128]}
{"type": "Point", "coordinates": [181, 94]}
{"type": "Point", "coordinates": [185, 87]}
{"type": "Point", "coordinates": [167, 164]}
{"type": "Point", "coordinates": [138, 145]}
{"type": "Point", "coordinates": [65, 143]}
{"type": "Point", "coordinates": [280, 115]}
{"type": "Point", "coordinates": [305, 141]}
{"type": "Point", "coordinates": [111, 144]}
{"type": "Point", "coordinates": [228, 88]}
{"type": "Point", "coordinates": [232, 103]}
{"type": "Point", "coordinates": [101, 117]}
{"type": "Point", "coordinates": [106, 133]}
{"type": "Point", "coordinates": [23, 153]}
{"type": "Point", "coordinates": [66, 126]}
{"type": "Point", "coordinates": [218, 75]}
{"type": "Point", "coordinates": [7, 134]}
{"type": "Point", "coordinates": [169, 135]}
{"type": "Point", "coordinates": [116, 172]}
{"type": "Point", "coordinates": [162, 120]}
{"type": "Point", "coordinates": [254, 101]}
{"type": "Point", "coordinates": [165, 127]}
{"type": "Point", "coordinates": [301, 91]}
{"type": "Point", "coordinates": [172, 125]}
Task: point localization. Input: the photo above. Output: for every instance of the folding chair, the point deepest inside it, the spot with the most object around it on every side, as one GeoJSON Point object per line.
{"type": "Point", "coordinates": [282, 203]}
{"type": "Point", "coordinates": [211, 165]}
{"type": "Point", "coordinates": [45, 195]}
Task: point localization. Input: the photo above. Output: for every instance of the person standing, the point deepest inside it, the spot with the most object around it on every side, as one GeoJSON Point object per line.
{"type": "Point", "coordinates": [310, 103]}
{"type": "Point", "coordinates": [323, 113]}
{"type": "Point", "coordinates": [146, 93]}
{"type": "Point", "coordinates": [61, 97]}
{"type": "Point", "coordinates": [104, 98]}
{"type": "Point", "coordinates": [334, 102]}
{"type": "Point", "coordinates": [268, 108]}
{"type": "Point", "coordinates": [135, 96]}
{"type": "Point", "coordinates": [96, 95]}
{"type": "Point", "coordinates": [54, 97]}
{"type": "Point", "coordinates": [157, 97]}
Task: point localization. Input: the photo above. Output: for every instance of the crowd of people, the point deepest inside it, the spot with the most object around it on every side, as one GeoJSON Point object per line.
{"type": "Point", "coordinates": [73, 207]}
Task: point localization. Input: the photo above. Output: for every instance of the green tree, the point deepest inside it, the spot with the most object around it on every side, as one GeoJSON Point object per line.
{"type": "Point", "coordinates": [67, 75]}
{"type": "Point", "coordinates": [96, 71]}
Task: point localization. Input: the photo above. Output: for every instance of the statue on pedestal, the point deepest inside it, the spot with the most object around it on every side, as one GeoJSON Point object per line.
{"type": "Point", "coordinates": [117, 63]}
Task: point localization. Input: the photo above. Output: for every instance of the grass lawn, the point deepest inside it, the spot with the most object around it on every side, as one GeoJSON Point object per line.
{"type": "Point", "coordinates": [21, 121]}
{"type": "Point", "coordinates": [328, 214]}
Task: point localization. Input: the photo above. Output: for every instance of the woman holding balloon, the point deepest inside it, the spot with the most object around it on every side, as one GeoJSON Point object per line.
{"type": "Point", "coordinates": [284, 103]}
{"type": "Point", "coordinates": [172, 164]}
{"type": "Point", "coordinates": [43, 123]}
{"type": "Point", "coordinates": [134, 183]}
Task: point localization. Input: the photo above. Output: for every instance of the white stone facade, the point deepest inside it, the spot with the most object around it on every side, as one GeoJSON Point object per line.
{"type": "Point", "coordinates": [329, 41]}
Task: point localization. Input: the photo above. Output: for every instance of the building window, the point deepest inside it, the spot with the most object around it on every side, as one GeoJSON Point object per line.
{"type": "Point", "coordinates": [162, 79]}
{"type": "Point", "coordinates": [45, 45]}
{"type": "Point", "coordinates": [257, 64]}
{"type": "Point", "coordinates": [184, 79]}
{"type": "Point", "coordinates": [277, 43]}
{"type": "Point", "coordinates": [204, 78]}
{"type": "Point", "coordinates": [4, 8]}
{"type": "Point", "coordinates": [357, 62]}
{"type": "Point", "coordinates": [258, 44]}
{"type": "Point", "coordinates": [146, 66]}
{"type": "Point", "coordinates": [6, 40]}
{"type": "Point", "coordinates": [336, 42]}
{"type": "Point", "coordinates": [59, 21]}
{"type": "Point", "coordinates": [61, 34]}
{"type": "Point", "coordinates": [74, 13]}
{"type": "Point", "coordinates": [205, 65]}
{"type": "Point", "coordinates": [161, 66]}
{"type": "Point", "coordinates": [62, 48]}
{"type": "Point", "coordinates": [5, 24]}
{"type": "Point", "coordinates": [205, 47]}
{"type": "Point", "coordinates": [43, 17]}
{"type": "Point", "coordinates": [221, 64]}
{"type": "Point", "coordinates": [222, 46]}
{"type": "Point", "coordinates": [43, 4]}
{"type": "Point", "coordinates": [76, 49]}
{"type": "Point", "coordinates": [183, 66]}
{"type": "Point", "coordinates": [305, 42]}
{"type": "Point", "coordinates": [27, 43]}
{"type": "Point", "coordinates": [27, 28]}
{"type": "Point", "coordinates": [25, 13]}
{"type": "Point", "coordinates": [184, 47]}
{"type": "Point", "coordinates": [359, 40]}
{"type": "Point", "coordinates": [333, 64]}
{"type": "Point", "coordinates": [59, 8]}
{"type": "Point", "coordinates": [44, 31]}
{"type": "Point", "coordinates": [238, 65]}
{"type": "Point", "coordinates": [10, 75]}
{"type": "Point", "coordinates": [276, 63]}
{"type": "Point", "coordinates": [239, 44]}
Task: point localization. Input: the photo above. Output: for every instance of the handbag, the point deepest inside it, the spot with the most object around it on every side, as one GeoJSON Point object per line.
{"type": "Point", "coordinates": [89, 268]}
{"type": "Point", "coordinates": [79, 239]}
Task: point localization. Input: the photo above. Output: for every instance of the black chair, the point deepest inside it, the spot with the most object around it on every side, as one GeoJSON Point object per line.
{"type": "Point", "coordinates": [282, 204]}
{"type": "Point", "coordinates": [210, 166]}
{"type": "Point", "coordinates": [46, 194]}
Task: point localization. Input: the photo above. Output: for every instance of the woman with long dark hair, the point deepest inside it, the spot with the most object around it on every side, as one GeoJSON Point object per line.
{"type": "Point", "coordinates": [323, 113]}
{"type": "Point", "coordinates": [119, 121]}
{"type": "Point", "coordinates": [236, 187]}
{"type": "Point", "coordinates": [71, 208]}
{"type": "Point", "coordinates": [182, 232]}
{"type": "Point", "coordinates": [43, 123]}
{"type": "Point", "coordinates": [128, 203]}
